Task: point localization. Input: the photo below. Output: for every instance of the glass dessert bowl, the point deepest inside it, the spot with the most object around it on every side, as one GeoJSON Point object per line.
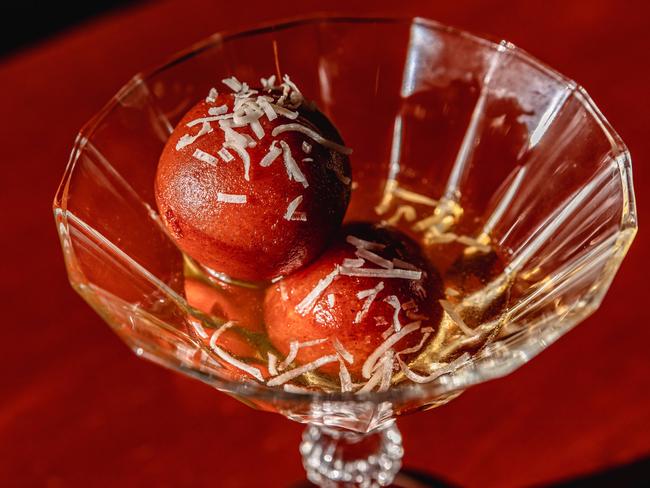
{"type": "Point", "coordinates": [505, 172]}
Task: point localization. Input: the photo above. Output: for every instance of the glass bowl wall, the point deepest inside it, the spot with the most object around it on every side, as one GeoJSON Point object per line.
{"type": "Point", "coordinates": [426, 108]}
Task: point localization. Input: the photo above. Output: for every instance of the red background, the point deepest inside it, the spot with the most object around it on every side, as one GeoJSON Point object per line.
{"type": "Point", "coordinates": [77, 408]}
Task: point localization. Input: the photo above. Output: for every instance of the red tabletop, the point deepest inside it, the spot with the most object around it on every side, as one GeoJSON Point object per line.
{"type": "Point", "coordinates": [78, 409]}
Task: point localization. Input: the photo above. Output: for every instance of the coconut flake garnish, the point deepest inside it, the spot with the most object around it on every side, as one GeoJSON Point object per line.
{"type": "Point", "coordinates": [243, 154]}
{"type": "Point", "coordinates": [361, 243]}
{"type": "Point", "coordinates": [372, 382]}
{"type": "Point", "coordinates": [374, 258]}
{"type": "Point", "coordinates": [411, 196]}
{"type": "Point", "coordinates": [293, 170]}
{"type": "Point", "coordinates": [198, 328]}
{"type": "Point", "coordinates": [344, 377]}
{"type": "Point", "coordinates": [230, 198]}
{"type": "Point", "coordinates": [353, 263]}
{"type": "Point", "coordinates": [273, 364]}
{"type": "Point", "coordinates": [417, 347]}
{"type": "Point", "coordinates": [308, 160]}
{"type": "Point", "coordinates": [331, 299]}
{"type": "Point", "coordinates": [406, 274]}
{"type": "Point", "coordinates": [370, 296]}
{"type": "Point", "coordinates": [404, 265]}
{"type": "Point", "coordinates": [306, 147]}
{"type": "Point", "coordinates": [233, 83]}
{"type": "Point", "coordinates": [254, 372]}
{"type": "Point", "coordinates": [284, 112]}
{"type": "Point", "coordinates": [372, 359]}
{"type": "Point", "coordinates": [471, 242]}
{"type": "Point", "coordinates": [225, 155]}
{"type": "Point", "coordinates": [267, 108]}
{"type": "Point", "coordinates": [387, 370]}
{"type": "Point", "coordinates": [268, 83]}
{"type": "Point", "coordinates": [442, 370]}
{"type": "Point", "coordinates": [232, 136]}
{"type": "Point", "coordinates": [220, 110]}
{"type": "Point", "coordinates": [449, 309]}
{"type": "Point", "coordinates": [212, 96]}
{"type": "Point", "coordinates": [313, 135]}
{"type": "Point", "coordinates": [187, 139]}
{"type": "Point", "coordinates": [342, 351]}
{"type": "Point", "coordinates": [308, 302]}
{"type": "Point", "coordinates": [205, 157]}
{"type": "Point", "coordinates": [214, 118]}
{"type": "Point", "coordinates": [291, 214]}
{"type": "Point", "coordinates": [394, 302]}
{"type": "Point", "coordinates": [257, 128]}
{"type": "Point", "coordinates": [295, 96]}
{"type": "Point", "coordinates": [294, 347]}
{"type": "Point", "coordinates": [305, 368]}
{"type": "Point", "coordinates": [271, 155]}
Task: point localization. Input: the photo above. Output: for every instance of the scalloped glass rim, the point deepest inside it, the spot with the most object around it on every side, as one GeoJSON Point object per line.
{"type": "Point", "coordinates": [474, 372]}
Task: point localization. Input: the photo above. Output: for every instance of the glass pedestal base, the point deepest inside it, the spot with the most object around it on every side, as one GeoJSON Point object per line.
{"type": "Point", "coordinates": [336, 458]}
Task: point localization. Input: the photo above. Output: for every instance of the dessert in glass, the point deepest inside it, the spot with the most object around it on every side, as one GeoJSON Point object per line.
{"type": "Point", "coordinates": [342, 234]}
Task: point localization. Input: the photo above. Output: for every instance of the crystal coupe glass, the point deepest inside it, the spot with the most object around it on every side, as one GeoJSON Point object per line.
{"type": "Point", "coordinates": [475, 125]}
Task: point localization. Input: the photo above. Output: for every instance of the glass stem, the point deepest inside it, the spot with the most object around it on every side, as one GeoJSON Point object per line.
{"type": "Point", "coordinates": [340, 458]}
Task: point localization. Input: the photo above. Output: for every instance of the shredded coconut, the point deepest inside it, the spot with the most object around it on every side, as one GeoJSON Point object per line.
{"type": "Point", "coordinates": [386, 370]}
{"type": "Point", "coordinates": [225, 155]}
{"type": "Point", "coordinates": [273, 364]}
{"type": "Point", "coordinates": [331, 299]}
{"type": "Point", "coordinates": [381, 273]}
{"type": "Point", "coordinates": [291, 214]}
{"type": "Point", "coordinates": [268, 83]}
{"type": "Point", "coordinates": [294, 347]}
{"type": "Point", "coordinates": [203, 120]}
{"type": "Point", "coordinates": [374, 258]}
{"type": "Point", "coordinates": [233, 83]}
{"type": "Point", "coordinates": [198, 328]}
{"type": "Point", "coordinates": [370, 296]}
{"type": "Point", "coordinates": [305, 368]}
{"type": "Point", "coordinates": [254, 372]}
{"type": "Point", "coordinates": [394, 302]}
{"type": "Point", "coordinates": [306, 147]}
{"type": "Point", "coordinates": [344, 377]}
{"type": "Point", "coordinates": [404, 265]}
{"type": "Point", "coordinates": [353, 263]}
{"type": "Point", "coordinates": [313, 135]}
{"type": "Point", "coordinates": [187, 139]}
{"type": "Point", "coordinates": [411, 196]}
{"type": "Point", "coordinates": [212, 95]}
{"type": "Point", "coordinates": [293, 170]}
{"type": "Point", "coordinates": [257, 128]}
{"type": "Point", "coordinates": [271, 155]}
{"type": "Point", "coordinates": [243, 154]}
{"type": "Point", "coordinates": [205, 157]}
{"type": "Point", "coordinates": [443, 369]}
{"type": "Point", "coordinates": [417, 347]}
{"type": "Point", "coordinates": [363, 244]}
{"type": "Point", "coordinates": [308, 302]}
{"type": "Point", "coordinates": [220, 110]}
{"type": "Point", "coordinates": [457, 319]}
{"type": "Point", "coordinates": [342, 351]}
{"type": "Point", "coordinates": [230, 198]}
{"type": "Point", "coordinates": [384, 346]}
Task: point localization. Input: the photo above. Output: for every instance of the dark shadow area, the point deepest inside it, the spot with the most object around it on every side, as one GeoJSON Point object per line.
{"type": "Point", "coordinates": [27, 22]}
{"type": "Point", "coordinates": [633, 474]}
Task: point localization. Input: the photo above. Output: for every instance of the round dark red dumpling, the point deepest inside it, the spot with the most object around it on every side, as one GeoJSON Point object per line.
{"type": "Point", "coordinates": [334, 314]}
{"type": "Point", "coordinates": [201, 202]}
